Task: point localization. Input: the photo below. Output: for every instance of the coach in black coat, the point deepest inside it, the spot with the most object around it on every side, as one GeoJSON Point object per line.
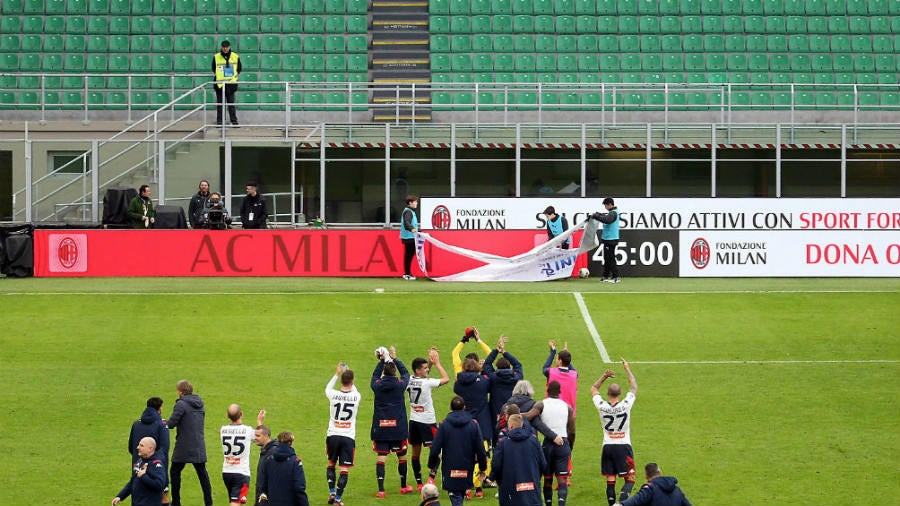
{"type": "Point", "coordinates": [519, 465]}
{"type": "Point", "coordinates": [188, 416]}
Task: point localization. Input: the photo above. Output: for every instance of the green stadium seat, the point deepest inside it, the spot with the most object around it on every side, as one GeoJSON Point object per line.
{"type": "Point", "coordinates": [292, 24]}
{"type": "Point", "coordinates": [53, 43]}
{"type": "Point", "coordinates": [773, 7]}
{"type": "Point", "coordinates": [459, 7]}
{"type": "Point", "coordinates": [890, 100]}
{"type": "Point", "coordinates": [32, 43]}
{"type": "Point", "coordinates": [501, 6]}
{"type": "Point", "coordinates": [838, 24]}
{"type": "Point", "coordinates": [648, 24]}
{"type": "Point", "coordinates": [562, 24]}
{"type": "Point", "coordinates": [691, 24]}
{"type": "Point", "coordinates": [140, 44]}
{"type": "Point", "coordinates": [673, 62]}
{"type": "Point", "coordinates": [335, 24]}
{"type": "Point", "coordinates": [183, 63]}
{"type": "Point", "coordinates": [610, 62]}
{"type": "Point", "coordinates": [863, 63]}
{"type": "Point", "coordinates": [821, 63]}
{"type": "Point", "coordinates": [840, 44]}
{"type": "Point", "coordinates": [798, 43]}
{"type": "Point", "coordinates": [10, 44]}
{"type": "Point", "coordinates": [826, 100]}
{"type": "Point", "coordinates": [735, 43]}
{"type": "Point", "coordinates": [859, 24]}
{"type": "Point", "coordinates": [439, 44]}
{"type": "Point", "coordinates": [817, 24]}
{"type": "Point", "coordinates": [650, 44]}
{"type": "Point", "coordinates": [714, 43]}
{"type": "Point", "coordinates": [439, 6]}
{"type": "Point", "coordinates": [651, 63]}
{"type": "Point", "coordinates": [868, 100]}
{"type": "Point", "coordinates": [358, 63]}
{"type": "Point", "coordinates": [544, 24]}
{"type": "Point", "coordinates": [162, 25]}
{"type": "Point", "coordinates": [715, 62]}
{"type": "Point", "coordinates": [695, 62]}
{"type": "Point", "coordinates": [161, 63]}
{"type": "Point", "coordinates": [842, 63]}
{"type": "Point", "coordinates": [586, 24]}
{"type": "Point", "coordinates": [522, 7]}
{"type": "Point", "coordinates": [736, 62]}
{"type": "Point", "coordinates": [757, 43]}
{"type": "Point", "coordinates": [75, 44]}
{"type": "Point", "coordinates": [779, 63]}
{"type": "Point", "coordinates": [885, 63]}
{"type": "Point", "coordinates": [270, 44]}
{"type": "Point", "coordinates": [758, 63]}
{"type": "Point", "coordinates": [670, 24]}
{"type": "Point", "coordinates": [777, 43]}
{"type": "Point", "coordinates": [861, 44]}
{"type": "Point", "coordinates": [504, 62]}
{"type": "Point", "coordinates": [482, 62]}
{"type": "Point", "coordinates": [313, 24]}
{"type": "Point", "coordinates": [630, 62]}
{"type": "Point", "coordinates": [502, 23]}
{"type": "Point", "coordinates": [607, 24]}
{"type": "Point", "coordinates": [314, 43]}
{"type": "Point", "coordinates": [162, 44]}
{"type": "Point", "coordinates": [461, 24]}
{"type": "Point", "coordinates": [76, 24]}
{"type": "Point", "coordinates": [824, 78]}
{"type": "Point", "coordinates": [801, 62]}
{"type": "Point", "coordinates": [775, 24]}
{"type": "Point", "coordinates": [569, 63]}
{"type": "Point", "coordinates": [141, 25]}
{"type": "Point", "coordinates": [292, 44]}
{"type": "Point", "coordinates": [733, 24]}
{"type": "Point", "coordinates": [627, 24]}
{"type": "Point", "coordinates": [119, 44]}
{"type": "Point", "coordinates": [185, 25]}
{"type": "Point", "coordinates": [880, 24]}
{"type": "Point", "coordinates": [313, 6]}
{"type": "Point", "coordinates": [335, 44]}
{"type": "Point", "coordinates": [545, 43]}
{"type": "Point", "coordinates": [440, 62]}
{"type": "Point", "coordinates": [499, 43]}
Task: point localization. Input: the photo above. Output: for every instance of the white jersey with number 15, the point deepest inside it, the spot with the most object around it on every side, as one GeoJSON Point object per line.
{"type": "Point", "coordinates": [343, 410]}
{"type": "Point", "coordinates": [237, 441]}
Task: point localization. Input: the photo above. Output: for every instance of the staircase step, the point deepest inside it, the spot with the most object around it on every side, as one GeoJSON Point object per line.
{"type": "Point", "coordinates": [400, 17]}
{"type": "Point", "coordinates": [401, 76]}
{"type": "Point", "coordinates": [392, 53]}
{"type": "Point", "coordinates": [398, 4]}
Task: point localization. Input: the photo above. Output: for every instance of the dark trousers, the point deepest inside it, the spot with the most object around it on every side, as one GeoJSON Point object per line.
{"type": "Point", "coordinates": [409, 251]}
{"type": "Point", "coordinates": [610, 267]}
{"type": "Point", "coordinates": [202, 475]}
{"type": "Point", "coordinates": [229, 98]}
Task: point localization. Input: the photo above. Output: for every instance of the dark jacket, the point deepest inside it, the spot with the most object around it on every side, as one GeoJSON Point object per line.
{"type": "Point", "coordinates": [148, 489]}
{"type": "Point", "coordinates": [264, 452]}
{"type": "Point", "coordinates": [188, 416]}
{"type": "Point", "coordinates": [150, 424]}
{"type": "Point", "coordinates": [282, 478]}
{"type": "Point", "coordinates": [456, 447]}
{"type": "Point", "coordinates": [518, 466]}
{"type": "Point", "coordinates": [660, 491]}
{"type": "Point", "coordinates": [196, 207]}
{"type": "Point", "coordinates": [136, 212]}
{"type": "Point", "coordinates": [389, 422]}
{"type": "Point", "coordinates": [525, 404]}
{"type": "Point", "coordinates": [257, 206]}
{"type": "Point", "coordinates": [434, 501]}
{"type": "Point", "coordinates": [474, 388]}
{"type": "Point", "coordinates": [502, 382]}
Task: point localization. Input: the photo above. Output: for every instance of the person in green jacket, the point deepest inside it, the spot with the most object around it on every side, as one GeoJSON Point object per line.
{"type": "Point", "coordinates": [140, 209]}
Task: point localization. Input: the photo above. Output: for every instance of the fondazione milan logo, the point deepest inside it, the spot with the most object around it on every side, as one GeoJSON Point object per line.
{"type": "Point", "coordinates": [700, 253]}
{"type": "Point", "coordinates": [68, 253]}
{"type": "Point", "coordinates": [440, 218]}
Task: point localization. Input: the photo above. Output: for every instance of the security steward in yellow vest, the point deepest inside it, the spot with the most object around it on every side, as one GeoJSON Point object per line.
{"type": "Point", "coordinates": [226, 66]}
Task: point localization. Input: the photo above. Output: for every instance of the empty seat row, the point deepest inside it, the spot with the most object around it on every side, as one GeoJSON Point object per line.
{"type": "Point", "coordinates": [667, 7]}
{"type": "Point", "coordinates": [127, 25]}
{"type": "Point", "coordinates": [652, 62]}
{"type": "Point", "coordinates": [543, 43]}
{"type": "Point", "coordinates": [183, 7]}
{"type": "Point", "coordinates": [250, 81]}
{"type": "Point", "coordinates": [182, 43]}
{"type": "Point", "coordinates": [546, 23]}
{"type": "Point", "coordinates": [625, 100]}
{"type": "Point", "coordinates": [117, 100]}
{"type": "Point", "coordinates": [776, 80]}
{"type": "Point", "coordinates": [51, 62]}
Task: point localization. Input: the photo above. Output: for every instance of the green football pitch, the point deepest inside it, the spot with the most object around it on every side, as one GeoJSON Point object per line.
{"type": "Point", "coordinates": [752, 391]}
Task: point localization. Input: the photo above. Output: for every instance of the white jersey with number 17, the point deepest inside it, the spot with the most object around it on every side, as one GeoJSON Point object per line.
{"type": "Point", "coordinates": [421, 407]}
{"type": "Point", "coordinates": [343, 410]}
{"type": "Point", "coordinates": [616, 419]}
{"type": "Point", "coordinates": [237, 441]}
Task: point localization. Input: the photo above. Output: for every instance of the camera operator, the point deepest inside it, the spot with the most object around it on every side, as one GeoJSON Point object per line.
{"type": "Point", "coordinates": [215, 215]}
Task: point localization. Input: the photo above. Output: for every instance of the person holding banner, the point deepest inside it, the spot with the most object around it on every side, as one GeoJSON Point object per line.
{"type": "Point", "coordinates": [556, 225]}
{"type": "Point", "coordinates": [409, 225]}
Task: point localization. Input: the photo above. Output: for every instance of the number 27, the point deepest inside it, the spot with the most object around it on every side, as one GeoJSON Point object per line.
{"type": "Point", "coordinates": [610, 419]}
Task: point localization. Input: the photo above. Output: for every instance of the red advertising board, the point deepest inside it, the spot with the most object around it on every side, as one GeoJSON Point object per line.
{"type": "Point", "coordinates": [352, 253]}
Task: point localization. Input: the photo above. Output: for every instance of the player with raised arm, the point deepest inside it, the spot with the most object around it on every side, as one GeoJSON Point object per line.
{"type": "Point", "coordinates": [617, 457]}
{"type": "Point", "coordinates": [470, 334]}
{"type": "Point", "coordinates": [236, 440]}
{"type": "Point", "coordinates": [390, 428]}
{"type": "Point", "coordinates": [422, 417]}
{"type": "Point", "coordinates": [340, 439]}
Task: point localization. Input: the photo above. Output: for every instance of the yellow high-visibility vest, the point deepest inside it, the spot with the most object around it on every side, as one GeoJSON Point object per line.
{"type": "Point", "coordinates": [226, 70]}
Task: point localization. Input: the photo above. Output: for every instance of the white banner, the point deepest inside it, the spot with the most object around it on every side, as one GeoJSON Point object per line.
{"type": "Point", "coordinates": [543, 263]}
{"type": "Point", "coordinates": [789, 254]}
{"type": "Point", "coordinates": [666, 213]}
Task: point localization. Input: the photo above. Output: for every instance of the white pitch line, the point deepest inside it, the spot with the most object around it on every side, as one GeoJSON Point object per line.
{"type": "Point", "coordinates": [760, 362]}
{"type": "Point", "coordinates": [592, 329]}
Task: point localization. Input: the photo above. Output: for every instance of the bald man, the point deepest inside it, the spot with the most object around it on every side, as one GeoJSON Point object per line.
{"type": "Point", "coordinates": [617, 457]}
{"type": "Point", "coordinates": [237, 440]}
{"type": "Point", "coordinates": [148, 476]}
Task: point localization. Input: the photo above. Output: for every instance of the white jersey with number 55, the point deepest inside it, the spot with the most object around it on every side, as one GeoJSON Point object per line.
{"type": "Point", "coordinates": [421, 407]}
{"type": "Point", "coordinates": [237, 441]}
{"type": "Point", "coordinates": [616, 419]}
{"type": "Point", "coordinates": [343, 410]}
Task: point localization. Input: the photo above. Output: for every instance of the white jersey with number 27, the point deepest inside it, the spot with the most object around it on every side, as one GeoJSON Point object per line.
{"type": "Point", "coordinates": [616, 420]}
{"type": "Point", "coordinates": [343, 410]}
{"type": "Point", "coordinates": [237, 441]}
{"type": "Point", "coordinates": [421, 406]}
